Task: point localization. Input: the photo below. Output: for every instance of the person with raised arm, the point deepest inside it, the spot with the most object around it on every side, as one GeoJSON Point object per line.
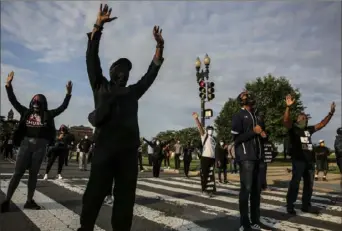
{"type": "Point", "coordinates": [35, 131]}
{"type": "Point", "coordinates": [303, 155]}
{"type": "Point", "coordinates": [116, 135]}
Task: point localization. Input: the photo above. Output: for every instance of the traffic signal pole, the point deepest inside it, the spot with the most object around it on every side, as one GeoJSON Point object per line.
{"type": "Point", "coordinates": [203, 113]}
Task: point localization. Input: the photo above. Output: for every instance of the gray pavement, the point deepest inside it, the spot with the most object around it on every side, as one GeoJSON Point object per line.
{"type": "Point", "coordinates": [171, 202]}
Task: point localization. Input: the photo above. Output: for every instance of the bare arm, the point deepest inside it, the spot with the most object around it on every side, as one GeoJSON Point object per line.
{"type": "Point", "coordinates": [324, 122]}
{"type": "Point", "coordinates": [287, 119]}
{"type": "Point", "coordinates": [199, 126]}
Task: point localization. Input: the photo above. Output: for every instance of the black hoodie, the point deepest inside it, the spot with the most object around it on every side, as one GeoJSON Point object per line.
{"type": "Point", "coordinates": [36, 125]}
{"type": "Point", "coordinates": [338, 146]}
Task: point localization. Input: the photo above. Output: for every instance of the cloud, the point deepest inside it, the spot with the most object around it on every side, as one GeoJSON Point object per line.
{"type": "Point", "coordinates": [301, 41]}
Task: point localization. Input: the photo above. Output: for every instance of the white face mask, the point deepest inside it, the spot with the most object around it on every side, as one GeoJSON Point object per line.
{"type": "Point", "coordinates": [157, 142]}
{"type": "Point", "coordinates": [221, 143]}
{"type": "Point", "coordinates": [210, 132]}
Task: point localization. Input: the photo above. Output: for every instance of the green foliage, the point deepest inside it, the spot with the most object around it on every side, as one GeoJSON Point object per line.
{"type": "Point", "coordinates": [269, 92]}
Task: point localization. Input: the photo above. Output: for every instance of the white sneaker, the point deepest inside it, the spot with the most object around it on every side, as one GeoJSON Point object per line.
{"type": "Point", "coordinates": [256, 227]}
{"type": "Point", "coordinates": [45, 177]}
{"type": "Point", "coordinates": [109, 200]}
{"type": "Point", "coordinates": [241, 228]}
{"type": "Point", "coordinates": [59, 177]}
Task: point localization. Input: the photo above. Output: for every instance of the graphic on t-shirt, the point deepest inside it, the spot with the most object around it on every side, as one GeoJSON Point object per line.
{"type": "Point", "coordinates": [34, 121]}
{"type": "Point", "coordinates": [306, 141]}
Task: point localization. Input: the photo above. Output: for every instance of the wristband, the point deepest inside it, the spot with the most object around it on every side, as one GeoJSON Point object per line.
{"type": "Point", "coordinates": [160, 46]}
{"type": "Point", "coordinates": [330, 113]}
{"type": "Point", "coordinates": [98, 27]}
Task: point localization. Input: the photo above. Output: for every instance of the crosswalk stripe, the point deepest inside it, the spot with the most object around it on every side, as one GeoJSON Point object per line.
{"type": "Point", "coordinates": [58, 216]}
{"type": "Point", "coordinates": [145, 212]}
{"type": "Point", "coordinates": [324, 217]}
{"type": "Point", "coordinates": [234, 190]}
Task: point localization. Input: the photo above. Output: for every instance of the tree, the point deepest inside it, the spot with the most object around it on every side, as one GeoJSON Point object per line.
{"type": "Point", "coordinates": [269, 92]}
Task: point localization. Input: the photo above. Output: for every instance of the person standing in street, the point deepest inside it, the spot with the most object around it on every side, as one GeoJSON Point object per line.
{"type": "Point", "coordinates": [207, 157]}
{"type": "Point", "coordinates": [8, 147]}
{"type": "Point", "coordinates": [322, 154]}
{"type": "Point", "coordinates": [117, 134]}
{"type": "Point", "coordinates": [303, 156]}
{"type": "Point", "coordinates": [35, 131]}
{"type": "Point", "coordinates": [232, 159]}
{"type": "Point", "coordinates": [140, 156]}
{"type": "Point", "coordinates": [150, 152]}
{"type": "Point", "coordinates": [246, 132]}
{"type": "Point", "coordinates": [178, 152]}
{"type": "Point", "coordinates": [167, 153]}
{"type": "Point", "coordinates": [222, 161]}
{"type": "Point", "coordinates": [84, 147]}
{"type": "Point", "coordinates": [338, 151]}
{"type": "Point", "coordinates": [187, 150]}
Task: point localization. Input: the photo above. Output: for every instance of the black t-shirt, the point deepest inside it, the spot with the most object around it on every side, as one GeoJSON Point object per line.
{"type": "Point", "coordinates": [322, 152]}
{"type": "Point", "coordinates": [301, 145]}
{"type": "Point", "coordinates": [35, 128]}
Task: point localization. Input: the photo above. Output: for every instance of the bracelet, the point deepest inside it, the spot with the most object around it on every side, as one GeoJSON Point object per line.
{"type": "Point", "coordinates": [98, 27]}
{"type": "Point", "coordinates": [160, 46]}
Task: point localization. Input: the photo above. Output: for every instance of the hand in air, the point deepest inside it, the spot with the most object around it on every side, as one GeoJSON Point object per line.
{"type": "Point", "coordinates": [195, 115]}
{"type": "Point", "coordinates": [332, 107]}
{"type": "Point", "coordinates": [157, 34]}
{"type": "Point", "coordinates": [9, 78]}
{"type": "Point", "coordinates": [69, 87]}
{"type": "Point", "coordinates": [289, 100]}
{"type": "Point", "coordinates": [103, 16]}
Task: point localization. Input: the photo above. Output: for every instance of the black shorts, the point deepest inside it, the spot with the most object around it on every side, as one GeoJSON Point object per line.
{"type": "Point", "coordinates": [322, 165]}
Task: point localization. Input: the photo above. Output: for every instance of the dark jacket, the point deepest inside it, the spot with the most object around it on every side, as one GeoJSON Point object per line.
{"type": "Point", "coordinates": [221, 153]}
{"type": "Point", "coordinates": [85, 145]}
{"type": "Point", "coordinates": [46, 115]}
{"type": "Point", "coordinates": [247, 142]}
{"type": "Point", "coordinates": [338, 146]}
{"type": "Point", "coordinates": [116, 110]}
{"type": "Point", "coordinates": [188, 150]}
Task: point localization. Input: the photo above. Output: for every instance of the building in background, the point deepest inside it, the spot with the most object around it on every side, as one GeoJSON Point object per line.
{"type": "Point", "coordinates": [80, 132]}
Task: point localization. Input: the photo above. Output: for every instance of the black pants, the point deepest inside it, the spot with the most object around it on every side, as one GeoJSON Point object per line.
{"type": "Point", "coordinates": [307, 171]}
{"type": "Point", "coordinates": [249, 190]}
{"type": "Point", "coordinates": [66, 158]}
{"type": "Point", "coordinates": [77, 156]}
{"type": "Point", "coordinates": [149, 156]}
{"type": "Point", "coordinates": [8, 152]}
{"type": "Point", "coordinates": [122, 167]}
{"type": "Point", "coordinates": [322, 165]}
{"type": "Point", "coordinates": [222, 170]}
{"type": "Point", "coordinates": [263, 175]}
{"type": "Point", "coordinates": [156, 166]}
{"type": "Point", "coordinates": [140, 161]}
{"type": "Point", "coordinates": [61, 159]}
{"type": "Point", "coordinates": [90, 156]}
{"type": "Point", "coordinates": [208, 174]}
{"type": "Point", "coordinates": [187, 162]}
{"type": "Point", "coordinates": [177, 160]}
{"type": "Point", "coordinates": [233, 166]}
{"type": "Point", "coordinates": [167, 161]}
{"type": "Point", "coordinates": [339, 163]}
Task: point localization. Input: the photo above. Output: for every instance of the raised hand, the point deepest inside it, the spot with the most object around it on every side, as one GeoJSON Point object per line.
{"type": "Point", "coordinates": [157, 34]}
{"type": "Point", "coordinates": [195, 115]}
{"type": "Point", "coordinates": [9, 78]}
{"type": "Point", "coordinates": [332, 107]}
{"type": "Point", "coordinates": [69, 87]}
{"type": "Point", "coordinates": [103, 16]}
{"type": "Point", "coordinates": [289, 100]}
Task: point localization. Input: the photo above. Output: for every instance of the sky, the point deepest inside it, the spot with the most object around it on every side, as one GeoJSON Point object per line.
{"type": "Point", "coordinates": [44, 43]}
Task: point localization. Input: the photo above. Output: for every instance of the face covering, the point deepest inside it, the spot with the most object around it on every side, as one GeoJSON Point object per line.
{"type": "Point", "coordinates": [301, 124]}
{"type": "Point", "coordinates": [221, 143]}
{"type": "Point", "coordinates": [210, 132]}
{"type": "Point", "coordinates": [157, 142]}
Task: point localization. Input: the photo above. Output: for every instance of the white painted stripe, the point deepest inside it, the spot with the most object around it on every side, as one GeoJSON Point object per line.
{"type": "Point", "coordinates": [324, 217]}
{"type": "Point", "coordinates": [147, 213]}
{"type": "Point", "coordinates": [52, 215]}
{"type": "Point", "coordinates": [10, 174]}
{"type": "Point", "coordinates": [235, 191]}
{"type": "Point", "coordinates": [270, 222]}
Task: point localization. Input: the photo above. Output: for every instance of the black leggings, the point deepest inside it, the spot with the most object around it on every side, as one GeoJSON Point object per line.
{"type": "Point", "coordinates": [61, 159]}
{"type": "Point", "coordinates": [187, 163]}
{"type": "Point", "coordinates": [156, 166]}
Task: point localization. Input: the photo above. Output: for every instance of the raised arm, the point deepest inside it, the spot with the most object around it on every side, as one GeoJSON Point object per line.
{"type": "Point", "coordinates": [287, 117]}
{"type": "Point", "coordinates": [198, 123]}
{"type": "Point", "coordinates": [326, 120]}
{"type": "Point", "coordinates": [65, 104]}
{"type": "Point", "coordinates": [149, 143]}
{"type": "Point", "coordinates": [146, 81]}
{"type": "Point", "coordinates": [11, 96]}
{"type": "Point", "coordinates": [92, 56]}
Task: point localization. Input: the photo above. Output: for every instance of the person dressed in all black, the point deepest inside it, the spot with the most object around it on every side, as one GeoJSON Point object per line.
{"type": "Point", "coordinates": [303, 156]}
{"type": "Point", "coordinates": [60, 150]}
{"type": "Point", "coordinates": [338, 148]}
{"type": "Point", "coordinates": [8, 147]}
{"type": "Point", "coordinates": [35, 130]}
{"type": "Point", "coordinates": [247, 131]}
{"type": "Point", "coordinates": [117, 135]}
{"type": "Point", "coordinates": [158, 155]}
{"type": "Point", "coordinates": [187, 152]}
{"type": "Point", "coordinates": [140, 156]}
{"type": "Point", "coordinates": [222, 161]}
{"type": "Point", "coordinates": [322, 153]}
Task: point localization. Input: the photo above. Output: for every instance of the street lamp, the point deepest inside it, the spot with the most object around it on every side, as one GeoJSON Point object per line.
{"type": "Point", "coordinates": [206, 88]}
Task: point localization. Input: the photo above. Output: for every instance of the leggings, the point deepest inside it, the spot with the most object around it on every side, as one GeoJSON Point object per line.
{"type": "Point", "coordinates": [61, 159]}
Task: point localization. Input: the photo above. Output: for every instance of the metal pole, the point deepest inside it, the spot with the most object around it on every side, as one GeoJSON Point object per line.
{"type": "Point", "coordinates": [202, 113]}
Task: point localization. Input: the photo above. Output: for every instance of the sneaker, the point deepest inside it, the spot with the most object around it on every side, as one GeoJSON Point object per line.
{"type": "Point", "coordinates": [255, 227]}
{"type": "Point", "coordinates": [59, 177]}
{"type": "Point", "coordinates": [5, 206]}
{"type": "Point", "coordinates": [225, 182]}
{"type": "Point", "coordinates": [109, 199]}
{"type": "Point", "coordinates": [142, 170]}
{"type": "Point", "coordinates": [45, 177]}
{"type": "Point", "coordinates": [291, 211]}
{"type": "Point", "coordinates": [311, 210]}
{"type": "Point", "coordinates": [31, 205]}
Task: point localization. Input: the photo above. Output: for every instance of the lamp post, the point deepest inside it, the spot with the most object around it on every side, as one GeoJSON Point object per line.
{"type": "Point", "coordinates": [206, 88]}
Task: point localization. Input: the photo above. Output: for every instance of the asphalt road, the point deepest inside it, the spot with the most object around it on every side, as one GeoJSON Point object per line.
{"type": "Point", "coordinates": [171, 202]}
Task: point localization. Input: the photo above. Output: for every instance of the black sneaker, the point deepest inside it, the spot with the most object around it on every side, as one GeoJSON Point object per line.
{"type": "Point", "coordinates": [31, 205]}
{"type": "Point", "coordinates": [311, 210]}
{"type": "Point", "coordinates": [5, 206]}
{"type": "Point", "coordinates": [291, 211]}
{"type": "Point", "coordinates": [225, 182]}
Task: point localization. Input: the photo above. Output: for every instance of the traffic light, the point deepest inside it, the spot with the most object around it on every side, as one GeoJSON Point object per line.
{"type": "Point", "coordinates": [211, 91]}
{"type": "Point", "coordinates": [202, 90]}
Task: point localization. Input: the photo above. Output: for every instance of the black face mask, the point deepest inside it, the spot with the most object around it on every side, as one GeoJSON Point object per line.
{"type": "Point", "coordinates": [119, 75]}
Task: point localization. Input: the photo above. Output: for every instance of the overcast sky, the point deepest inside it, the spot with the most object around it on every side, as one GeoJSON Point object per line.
{"type": "Point", "coordinates": [45, 44]}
